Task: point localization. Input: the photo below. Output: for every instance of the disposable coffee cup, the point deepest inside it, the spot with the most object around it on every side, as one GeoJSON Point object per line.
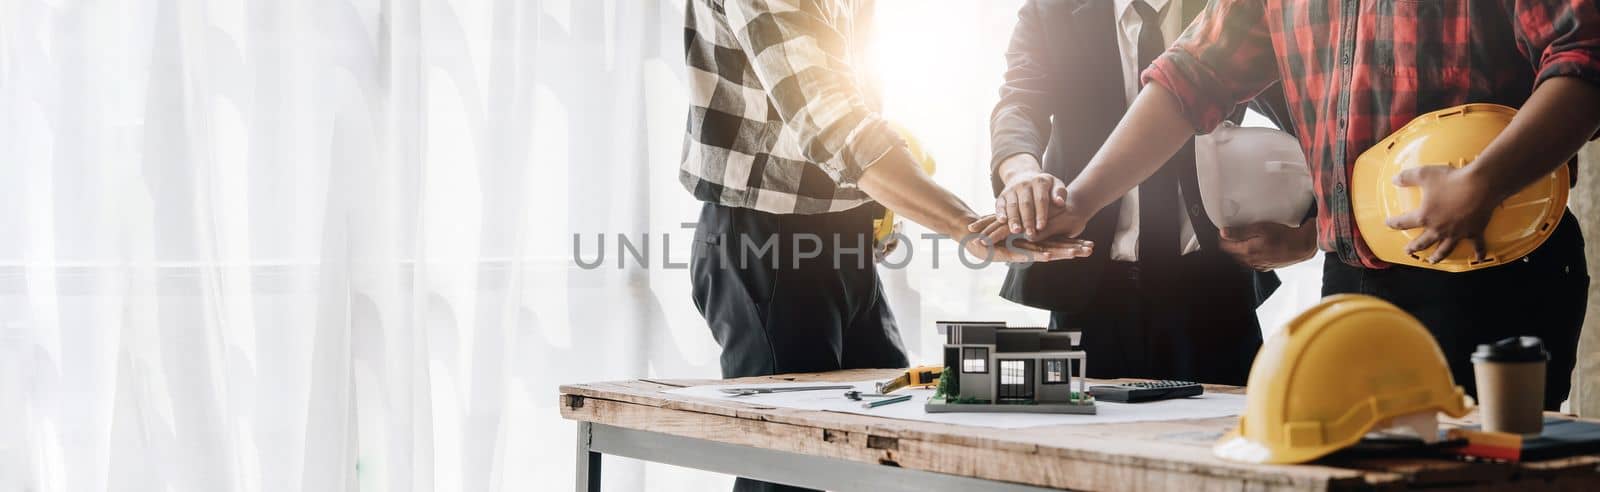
{"type": "Point", "coordinates": [1510, 377]}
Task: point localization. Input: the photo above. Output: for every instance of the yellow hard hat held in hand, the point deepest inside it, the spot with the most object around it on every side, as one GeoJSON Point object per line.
{"type": "Point", "coordinates": [1350, 365]}
{"type": "Point", "coordinates": [1453, 136]}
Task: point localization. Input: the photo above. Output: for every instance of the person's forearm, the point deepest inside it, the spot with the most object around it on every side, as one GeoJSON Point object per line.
{"type": "Point", "coordinates": [897, 183]}
{"type": "Point", "coordinates": [1553, 124]}
{"type": "Point", "coordinates": [1017, 166]}
{"type": "Point", "coordinates": [1148, 135]}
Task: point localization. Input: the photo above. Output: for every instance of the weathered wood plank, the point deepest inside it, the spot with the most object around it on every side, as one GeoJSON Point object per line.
{"type": "Point", "coordinates": [988, 463]}
{"type": "Point", "coordinates": [1130, 456]}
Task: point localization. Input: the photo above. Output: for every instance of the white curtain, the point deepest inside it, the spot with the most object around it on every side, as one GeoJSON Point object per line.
{"type": "Point", "coordinates": [329, 244]}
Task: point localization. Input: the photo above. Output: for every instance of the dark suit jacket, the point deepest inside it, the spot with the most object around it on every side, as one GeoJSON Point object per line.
{"type": "Point", "coordinates": [1063, 95]}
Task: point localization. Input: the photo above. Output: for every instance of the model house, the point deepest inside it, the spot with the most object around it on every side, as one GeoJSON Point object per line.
{"type": "Point", "coordinates": [991, 367]}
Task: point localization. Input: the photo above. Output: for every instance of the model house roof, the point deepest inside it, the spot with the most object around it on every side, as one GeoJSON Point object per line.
{"type": "Point", "coordinates": [1007, 338]}
{"type": "Point", "coordinates": [945, 326]}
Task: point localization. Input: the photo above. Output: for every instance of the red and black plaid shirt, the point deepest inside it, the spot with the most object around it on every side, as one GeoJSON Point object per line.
{"type": "Point", "coordinates": [1354, 71]}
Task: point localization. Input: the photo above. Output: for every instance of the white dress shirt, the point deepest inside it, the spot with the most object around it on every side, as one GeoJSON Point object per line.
{"type": "Point", "coordinates": [1125, 240]}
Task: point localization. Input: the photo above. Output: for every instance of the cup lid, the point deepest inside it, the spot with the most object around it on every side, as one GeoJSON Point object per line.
{"type": "Point", "coordinates": [1514, 349]}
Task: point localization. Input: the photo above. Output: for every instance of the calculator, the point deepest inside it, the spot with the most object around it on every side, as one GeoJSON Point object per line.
{"type": "Point", "coordinates": [1145, 391]}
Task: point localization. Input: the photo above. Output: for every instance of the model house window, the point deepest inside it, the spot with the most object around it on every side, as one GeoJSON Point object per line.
{"type": "Point", "coordinates": [975, 359]}
{"type": "Point", "coordinates": [1055, 371]}
{"type": "Point", "coordinates": [1013, 372]}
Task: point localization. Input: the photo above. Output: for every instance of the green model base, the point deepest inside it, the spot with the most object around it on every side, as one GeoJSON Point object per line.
{"type": "Point", "coordinates": [936, 405]}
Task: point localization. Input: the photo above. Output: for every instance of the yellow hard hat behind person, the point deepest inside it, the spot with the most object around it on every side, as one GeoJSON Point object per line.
{"type": "Point", "coordinates": [1453, 136]}
{"type": "Point", "coordinates": [883, 227]}
{"type": "Point", "coordinates": [1347, 366]}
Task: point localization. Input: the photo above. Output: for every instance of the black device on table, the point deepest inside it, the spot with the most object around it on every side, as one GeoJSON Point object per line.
{"type": "Point", "coordinates": [1144, 391]}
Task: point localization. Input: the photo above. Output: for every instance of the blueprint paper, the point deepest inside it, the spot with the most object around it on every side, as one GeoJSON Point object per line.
{"type": "Point", "coordinates": [1209, 405]}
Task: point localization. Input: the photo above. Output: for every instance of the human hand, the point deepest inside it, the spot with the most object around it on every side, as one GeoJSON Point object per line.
{"type": "Point", "coordinates": [1267, 246]}
{"type": "Point", "coordinates": [1016, 249]}
{"type": "Point", "coordinates": [1067, 222]}
{"type": "Point", "coordinates": [1455, 207]}
{"type": "Point", "coordinates": [1030, 196]}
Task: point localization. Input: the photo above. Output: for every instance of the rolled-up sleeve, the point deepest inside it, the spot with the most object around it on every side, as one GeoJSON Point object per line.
{"type": "Point", "coordinates": [799, 57]}
{"type": "Point", "coordinates": [1223, 59]}
{"type": "Point", "coordinates": [1561, 37]}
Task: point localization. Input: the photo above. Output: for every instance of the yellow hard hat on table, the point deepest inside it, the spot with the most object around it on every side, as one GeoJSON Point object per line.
{"type": "Point", "coordinates": [1453, 136]}
{"type": "Point", "coordinates": [1341, 369]}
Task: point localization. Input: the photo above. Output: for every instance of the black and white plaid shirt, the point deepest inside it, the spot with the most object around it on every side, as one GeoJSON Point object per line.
{"type": "Point", "coordinates": [782, 115]}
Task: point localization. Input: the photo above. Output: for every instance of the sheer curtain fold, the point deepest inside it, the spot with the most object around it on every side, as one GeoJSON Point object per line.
{"type": "Point", "coordinates": [316, 245]}
{"type": "Point", "coordinates": [329, 244]}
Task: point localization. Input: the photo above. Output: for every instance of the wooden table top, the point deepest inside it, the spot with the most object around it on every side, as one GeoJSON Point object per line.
{"type": "Point", "coordinates": [1165, 455]}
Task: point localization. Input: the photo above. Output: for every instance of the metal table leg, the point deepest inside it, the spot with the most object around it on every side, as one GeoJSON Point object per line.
{"type": "Point", "coordinates": [588, 460]}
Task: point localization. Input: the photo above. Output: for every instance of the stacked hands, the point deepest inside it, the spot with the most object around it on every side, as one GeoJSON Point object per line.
{"type": "Point", "coordinates": [1034, 213]}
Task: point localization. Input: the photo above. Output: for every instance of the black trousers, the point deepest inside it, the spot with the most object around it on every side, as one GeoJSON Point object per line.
{"type": "Point", "coordinates": [1191, 320]}
{"type": "Point", "coordinates": [792, 293]}
{"type": "Point", "coordinates": [1543, 295]}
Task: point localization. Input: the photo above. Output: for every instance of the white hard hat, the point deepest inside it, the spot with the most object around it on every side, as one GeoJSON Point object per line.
{"type": "Point", "coordinates": [1249, 175]}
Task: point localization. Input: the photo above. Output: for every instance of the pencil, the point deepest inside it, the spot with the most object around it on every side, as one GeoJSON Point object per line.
{"type": "Point", "coordinates": [885, 401]}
